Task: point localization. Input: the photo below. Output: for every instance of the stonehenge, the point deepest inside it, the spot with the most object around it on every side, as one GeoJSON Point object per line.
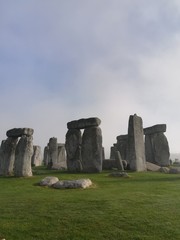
{"type": "Point", "coordinates": [84, 151]}
{"type": "Point", "coordinates": [15, 154]}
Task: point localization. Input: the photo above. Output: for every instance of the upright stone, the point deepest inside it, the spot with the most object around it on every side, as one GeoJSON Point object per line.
{"type": "Point", "coordinates": [73, 150]}
{"type": "Point", "coordinates": [53, 151]}
{"type": "Point", "coordinates": [122, 143]}
{"type": "Point", "coordinates": [118, 160]}
{"type": "Point", "coordinates": [37, 156]}
{"type": "Point", "coordinates": [136, 148]}
{"type": "Point", "coordinates": [92, 150]}
{"type": "Point", "coordinates": [2, 162]}
{"type": "Point", "coordinates": [61, 158]}
{"type": "Point", "coordinates": [46, 156]}
{"type": "Point", "coordinates": [23, 155]}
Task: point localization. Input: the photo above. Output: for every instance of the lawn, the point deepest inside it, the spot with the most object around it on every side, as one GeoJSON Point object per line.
{"type": "Point", "coordinates": [144, 206]}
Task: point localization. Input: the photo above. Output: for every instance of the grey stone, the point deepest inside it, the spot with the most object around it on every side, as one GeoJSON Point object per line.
{"type": "Point", "coordinates": [109, 164]}
{"type": "Point", "coordinates": [53, 151]}
{"type": "Point", "coordinates": [80, 183]}
{"type": "Point", "coordinates": [46, 156]}
{"type": "Point", "coordinates": [122, 145]}
{"type": "Point", "coordinates": [112, 152]}
{"type": "Point", "coordinates": [119, 162]}
{"type": "Point", "coordinates": [19, 132]}
{"type": "Point", "coordinates": [136, 148]}
{"type": "Point", "coordinates": [84, 123]}
{"type": "Point", "coordinates": [92, 150]}
{"type": "Point", "coordinates": [36, 159]}
{"type": "Point", "coordinates": [157, 149]}
{"type": "Point", "coordinates": [152, 167]}
{"type": "Point", "coordinates": [48, 181]}
{"type": "Point", "coordinates": [164, 169]}
{"type": "Point", "coordinates": [23, 154]}
{"type": "Point", "coordinates": [158, 128]}
{"type": "Point", "coordinates": [61, 158]}
{"type": "Point", "coordinates": [73, 150]}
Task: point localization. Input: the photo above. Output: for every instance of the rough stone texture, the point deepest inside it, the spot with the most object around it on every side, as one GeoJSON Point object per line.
{"type": "Point", "coordinates": [73, 150]}
{"type": "Point", "coordinates": [48, 181]}
{"type": "Point", "coordinates": [158, 128]}
{"type": "Point", "coordinates": [122, 143]}
{"type": "Point", "coordinates": [164, 169]}
{"type": "Point", "coordinates": [84, 123]}
{"type": "Point", "coordinates": [19, 132]}
{"type": "Point", "coordinates": [118, 160]}
{"type": "Point", "coordinates": [157, 149]}
{"type": "Point", "coordinates": [81, 183]}
{"type": "Point", "coordinates": [119, 174]}
{"type": "Point", "coordinates": [53, 151]}
{"type": "Point", "coordinates": [2, 162]}
{"type": "Point", "coordinates": [92, 150]}
{"type": "Point", "coordinates": [136, 149]}
{"type": "Point", "coordinates": [23, 154]}
{"type": "Point", "coordinates": [109, 164]}
{"type": "Point", "coordinates": [46, 156]}
{"type": "Point", "coordinates": [112, 152]}
{"type": "Point", "coordinates": [61, 158]}
{"type": "Point", "coordinates": [152, 167]}
{"type": "Point", "coordinates": [36, 159]}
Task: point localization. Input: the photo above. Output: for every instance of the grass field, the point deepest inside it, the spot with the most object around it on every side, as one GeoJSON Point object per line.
{"type": "Point", "coordinates": [144, 206]}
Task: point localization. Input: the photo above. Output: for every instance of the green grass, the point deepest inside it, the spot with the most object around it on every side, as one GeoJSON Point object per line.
{"type": "Point", "coordinates": [144, 206]}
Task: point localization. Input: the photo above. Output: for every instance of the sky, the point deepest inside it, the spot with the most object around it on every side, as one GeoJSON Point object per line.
{"type": "Point", "coordinates": [62, 60]}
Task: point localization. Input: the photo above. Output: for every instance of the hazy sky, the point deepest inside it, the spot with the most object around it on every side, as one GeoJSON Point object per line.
{"type": "Point", "coordinates": [61, 60]}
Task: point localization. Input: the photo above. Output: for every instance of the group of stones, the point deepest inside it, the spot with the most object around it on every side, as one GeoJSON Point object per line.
{"type": "Point", "coordinates": [135, 151]}
{"type": "Point", "coordinates": [83, 150]}
{"type": "Point", "coordinates": [17, 153]}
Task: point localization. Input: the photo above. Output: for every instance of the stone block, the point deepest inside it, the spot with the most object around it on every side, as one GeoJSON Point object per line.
{"type": "Point", "coordinates": [19, 132]}
{"type": "Point", "coordinates": [84, 123]}
{"type": "Point", "coordinates": [158, 128]}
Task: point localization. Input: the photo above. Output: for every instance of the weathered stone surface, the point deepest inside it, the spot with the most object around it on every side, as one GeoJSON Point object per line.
{"type": "Point", "coordinates": [46, 156]}
{"type": "Point", "coordinates": [19, 132]}
{"type": "Point", "coordinates": [81, 183]}
{"type": "Point", "coordinates": [2, 162]}
{"type": "Point", "coordinates": [109, 164]}
{"type": "Point", "coordinates": [112, 152]}
{"type": "Point", "coordinates": [48, 181]}
{"type": "Point", "coordinates": [92, 150]}
{"type": "Point", "coordinates": [61, 158]}
{"type": "Point", "coordinates": [152, 167]}
{"type": "Point", "coordinates": [164, 169]}
{"type": "Point", "coordinates": [136, 149]}
{"type": "Point", "coordinates": [157, 149]}
{"type": "Point", "coordinates": [122, 145]}
{"type": "Point", "coordinates": [23, 154]}
{"type": "Point", "coordinates": [53, 151]}
{"type": "Point", "coordinates": [158, 128]}
{"type": "Point", "coordinates": [119, 174]}
{"type": "Point", "coordinates": [84, 123]}
{"type": "Point", "coordinates": [73, 150]}
{"type": "Point", "coordinates": [118, 160]}
{"type": "Point", "coordinates": [36, 159]}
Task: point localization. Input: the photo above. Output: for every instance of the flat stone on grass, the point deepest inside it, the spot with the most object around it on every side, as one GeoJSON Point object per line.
{"type": "Point", "coordinates": [119, 174]}
{"type": "Point", "coordinates": [81, 183]}
{"type": "Point", "coordinates": [48, 181]}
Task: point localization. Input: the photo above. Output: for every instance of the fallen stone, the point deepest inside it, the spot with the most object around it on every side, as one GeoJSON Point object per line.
{"type": "Point", "coordinates": [48, 181]}
{"type": "Point", "coordinates": [81, 183]}
{"type": "Point", "coordinates": [119, 174]}
{"type": "Point", "coordinates": [158, 128]}
{"type": "Point", "coordinates": [84, 123]}
{"type": "Point", "coordinates": [164, 170]}
{"type": "Point", "coordinates": [19, 132]}
{"type": "Point", "coordinates": [152, 167]}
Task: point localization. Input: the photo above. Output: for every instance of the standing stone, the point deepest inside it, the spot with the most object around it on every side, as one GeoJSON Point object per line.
{"type": "Point", "coordinates": [122, 144]}
{"type": "Point", "coordinates": [156, 145]}
{"type": "Point", "coordinates": [92, 150]}
{"type": "Point", "coordinates": [46, 156]}
{"type": "Point", "coordinates": [37, 156]}
{"type": "Point", "coordinates": [2, 162]}
{"type": "Point", "coordinates": [73, 150]}
{"type": "Point", "coordinates": [23, 154]}
{"type": "Point", "coordinates": [136, 148]}
{"type": "Point", "coordinates": [61, 158]}
{"type": "Point", "coordinates": [53, 151]}
{"type": "Point", "coordinates": [118, 160]}
{"type": "Point", "coordinates": [112, 151]}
